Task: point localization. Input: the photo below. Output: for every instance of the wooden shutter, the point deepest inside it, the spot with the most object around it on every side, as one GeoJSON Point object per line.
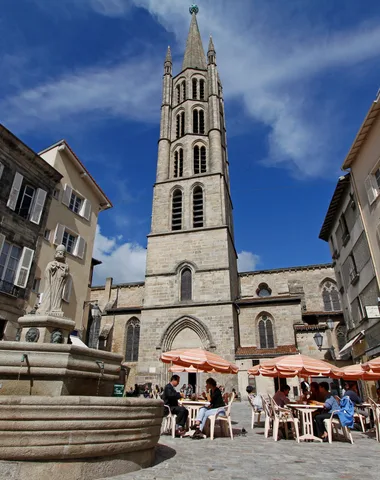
{"type": "Point", "coordinates": [2, 240]}
{"type": "Point", "coordinates": [23, 269]}
{"type": "Point", "coordinates": [15, 191]}
{"type": "Point", "coordinates": [80, 247]}
{"type": "Point", "coordinates": [38, 206]}
{"type": "Point", "coordinates": [372, 192]}
{"type": "Point", "coordinates": [1, 169]}
{"type": "Point", "coordinates": [67, 291]}
{"type": "Point", "coordinates": [58, 234]}
{"type": "Point", "coordinates": [66, 197]}
{"type": "Point", "coordinates": [85, 211]}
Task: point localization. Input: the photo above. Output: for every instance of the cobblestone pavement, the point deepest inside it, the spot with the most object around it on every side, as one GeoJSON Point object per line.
{"type": "Point", "coordinates": [253, 457]}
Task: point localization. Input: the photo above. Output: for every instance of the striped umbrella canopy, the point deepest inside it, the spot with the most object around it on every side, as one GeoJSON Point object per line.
{"type": "Point", "coordinates": [356, 372]}
{"type": "Point", "coordinates": [179, 369]}
{"type": "Point", "coordinates": [199, 359]}
{"type": "Point", "coordinates": [299, 365]}
{"type": "Point", "coordinates": [372, 365]}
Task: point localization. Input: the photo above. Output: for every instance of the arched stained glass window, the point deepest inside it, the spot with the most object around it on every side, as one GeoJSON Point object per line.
{"type": "Point", "coordinates": [186, 284]}
{"type": "Point", "coordinates": [330, 297]}
{"type": "Point", "coordinates": [266, 332]}
{"type": "Point", "coordinates": [132, 340]}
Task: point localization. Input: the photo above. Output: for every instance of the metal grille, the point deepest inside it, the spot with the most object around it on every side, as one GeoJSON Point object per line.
{"type": "Point", "coordinates": [198, 207]}
{"type": "Point", "coordinates": [177, 210]}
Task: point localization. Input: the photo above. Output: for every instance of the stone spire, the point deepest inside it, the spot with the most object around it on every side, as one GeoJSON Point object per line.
{"type": "Point", "coordinates": [168, 65]}
{"type": "Point", "coordinates": [194, 54]}
{"type": "Point", "coordinates": [168, 56]}
{"type": "Point", "coordinates": [211, 54]}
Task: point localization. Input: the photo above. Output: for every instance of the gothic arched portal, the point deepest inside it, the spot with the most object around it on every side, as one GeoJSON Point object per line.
{"type": "Point", "coordinates": [175, 333]}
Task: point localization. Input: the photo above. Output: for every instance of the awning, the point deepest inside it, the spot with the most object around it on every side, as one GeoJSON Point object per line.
{"type": "Point", "coordinates": [352, 342]}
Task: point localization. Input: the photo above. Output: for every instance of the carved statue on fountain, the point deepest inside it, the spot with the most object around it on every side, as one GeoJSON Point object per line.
{"type": "Point", "coordinates": [56, 275]}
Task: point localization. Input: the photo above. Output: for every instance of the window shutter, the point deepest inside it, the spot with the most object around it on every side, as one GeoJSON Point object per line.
{"type": "Point", "coordinates": [85, 211]}
{"type": "Point", "coordinates": [2, 240]}
{"type": "Point", "coordinates": [80, 246]}
{"type": "Point", "coordinates": [38, 206]}
{"type": "Point", "coordinates": [15, 191]}
{"type": "Point", "coordinates": [1, 169]}
{"type": "Point", "coordinates": [371, 189]}
{"type": "Point", "coordinates": [66, 197]}
{"type": "Point", "coordinates": [58, 234]}
{"type": "Point", "coordinates": [67, 291]}
{"type": "Point", "coordinates": [23, 269]}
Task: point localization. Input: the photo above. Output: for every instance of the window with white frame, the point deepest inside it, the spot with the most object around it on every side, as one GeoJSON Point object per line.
{"type": "Point", "coordinates": [69, 240]}
{"type": "Point", "coordinates": [74, 243]}
{"type": "Point", "coordinates": [15, 265]}
{"type": "Point", "coordinates": [9, 259]}
{"type": "Point", "coordinates": [76, 202]}
{"type": "Point", "coordinates": [25, 200]}
{"type": "Point", "coordinates": [372, 185]}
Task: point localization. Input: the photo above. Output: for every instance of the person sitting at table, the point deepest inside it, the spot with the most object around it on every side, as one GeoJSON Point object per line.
{"type": "Point", "coordinates": [353, 393]}
{"type": "Point", "coordinates": [189, 390]}
{"type": "Point", "coordinates": [315, 394]}
{"type": "Point", "coordinates": [281, 396]}
{"type": "Point", "coordinates": [216, 405]}
{"type": "Point", "coordinates": [170, 398]}
{"type": "Point", "coordinates": [330, 405]}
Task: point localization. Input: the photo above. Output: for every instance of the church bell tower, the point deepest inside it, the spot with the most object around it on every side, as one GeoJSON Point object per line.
{"type": "Point", "coordinates": [191, 274]}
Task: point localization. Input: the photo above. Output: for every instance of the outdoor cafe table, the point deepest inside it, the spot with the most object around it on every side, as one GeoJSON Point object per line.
{"type": "Point", "coordinates": [193, 407]}
{"type": "Point", "coordinates": [306, 412]}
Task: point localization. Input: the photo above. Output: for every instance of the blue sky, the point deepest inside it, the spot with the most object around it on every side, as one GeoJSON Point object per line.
{"type": "Point", "coordinates": [299, 77]}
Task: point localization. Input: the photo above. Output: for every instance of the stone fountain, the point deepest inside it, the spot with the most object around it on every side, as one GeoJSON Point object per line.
{"type": "Point", "coordinates": [57, 414]}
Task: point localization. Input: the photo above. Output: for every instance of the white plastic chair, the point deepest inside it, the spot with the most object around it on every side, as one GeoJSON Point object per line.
{"type": "Point", "coordinates": [361, 418]}
{"type": "Point", "coordinates": [169, 422]}
{"type": "Point", "coordinates": [376, 417]}
{"type": "Point", "coordinates": [284, 416]}
{"type": "Point", "coordinates": [334, 423]}
{"type": "Point", "coordinates": [269, 417]}
{"type": "Point", "coordinates": [256, 413]}
{"type": "Point", "coordinates": [223, 414]}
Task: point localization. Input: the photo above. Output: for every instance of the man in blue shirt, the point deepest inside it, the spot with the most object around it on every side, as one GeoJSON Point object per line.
{"type": "Point", "coordinates": [352, 392]}
{"type": "Point", "coordinates": [330, 406]}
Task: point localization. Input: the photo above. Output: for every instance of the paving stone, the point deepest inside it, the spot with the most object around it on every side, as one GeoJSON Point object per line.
{"type": "Point", "coordinates": [257, 458]}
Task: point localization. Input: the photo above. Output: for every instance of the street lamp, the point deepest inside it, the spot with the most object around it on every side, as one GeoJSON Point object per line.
{"type": "Point", "coordinates": [318, 339]}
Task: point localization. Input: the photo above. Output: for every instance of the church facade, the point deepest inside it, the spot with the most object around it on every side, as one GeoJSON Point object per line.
{"type": "Point", "coordinates": [193, 295]}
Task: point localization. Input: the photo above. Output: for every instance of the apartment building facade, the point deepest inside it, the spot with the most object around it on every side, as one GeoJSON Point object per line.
{"type": "Point", "coordinates": [27, 184]}
{"type": "Point", "coordinates": [72, 220]}
{"type": "Point", "coordinates": [344, 230]}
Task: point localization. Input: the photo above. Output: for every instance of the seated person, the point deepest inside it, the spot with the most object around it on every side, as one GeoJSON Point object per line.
{"type": "Point", "coordinates": [305, 392]}
{"type": "Point", "coordinates": [281, 396]}
{"type": "Point", "coordinates": [378, 395]}
{"type": "Point", "coordinates": [216, 404]}
{"type": "Point", "coordinates": [316, 394]}
{"type": "Point", "coordinates": [189, 390]}
{"type": "Point", "coordinates": [353, 393]}
{"type": "Point", "coordinates": [330, 405]}
{"type": "Point", "coordinates": [170, 398]}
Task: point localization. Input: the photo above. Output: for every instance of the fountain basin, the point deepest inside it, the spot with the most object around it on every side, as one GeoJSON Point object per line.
{"type": "Point", "coordinates": [56, 369]}
{"type": "Point", "coordinates": [76, 437]}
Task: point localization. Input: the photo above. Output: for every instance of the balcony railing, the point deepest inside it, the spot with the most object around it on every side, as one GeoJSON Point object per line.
{"type": "Point", "coordinates": [10, 289]}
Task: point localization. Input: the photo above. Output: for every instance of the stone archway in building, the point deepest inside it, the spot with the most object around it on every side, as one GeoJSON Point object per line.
{"type": "Point", "coordinates": [186, 332]}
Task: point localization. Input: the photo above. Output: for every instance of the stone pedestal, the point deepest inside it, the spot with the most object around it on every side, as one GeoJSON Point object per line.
{"type": "Point", "coordinates": [45, 328]}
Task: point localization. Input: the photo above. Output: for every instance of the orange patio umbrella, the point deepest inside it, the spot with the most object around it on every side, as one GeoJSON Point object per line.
{"type": "Point", "coordinates": [372, 365]}
{"type": "Point", "coordinates": [200, 360]}
{"type": "Point", "coordinates": [356, 372]}
{"type": "Point", "coordinates": [295, 365]}
{"type": "Point", "coordinates": [179, 369]}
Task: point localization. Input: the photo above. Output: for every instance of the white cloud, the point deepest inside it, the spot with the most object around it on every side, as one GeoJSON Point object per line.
{"type": "Point", "coordinates": [268, 58]}
{"type": "Point", "coordinates": [247, 261]}
{"type": "Point", "coordinates": [124, 262]}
